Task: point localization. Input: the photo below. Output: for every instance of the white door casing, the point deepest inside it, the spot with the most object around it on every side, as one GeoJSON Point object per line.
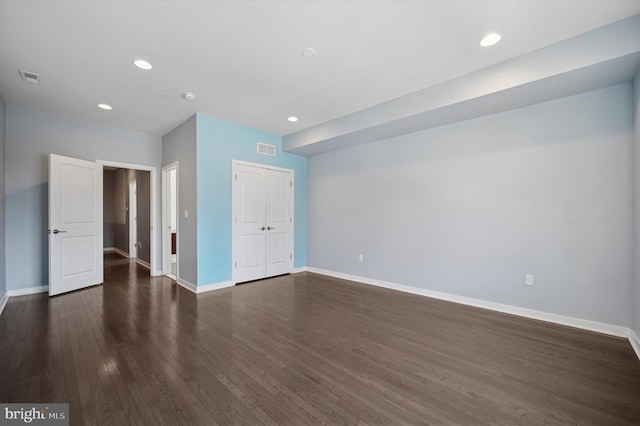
{"type": "Point", "coordinates": [262, 221]}
{"type": "Point", "coordinates": [75, 224]}
{"type": "Point", "coordinates": [169, 215]}
{"type": "Point", "coordinates": [133, 219]}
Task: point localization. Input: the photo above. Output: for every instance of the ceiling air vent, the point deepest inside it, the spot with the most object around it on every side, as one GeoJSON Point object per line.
{"type": "Point", "coordinates": [30, 77]}
{"type": "Point", "coordinates": [266, 149]}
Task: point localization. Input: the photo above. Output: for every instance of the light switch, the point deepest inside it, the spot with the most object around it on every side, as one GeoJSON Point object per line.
{"type": "Point", "coordinates": [186, 214]}
{"type": "Point", "coordinates": [528, 279]}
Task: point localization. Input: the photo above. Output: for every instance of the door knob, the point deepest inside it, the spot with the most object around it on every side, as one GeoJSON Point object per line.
{"type": "Point", "coordinates": [57, 231]}
{"type": "Point", "coordinates": [262, 229]}
{"type": "Point", "coordinates": [269, 228]}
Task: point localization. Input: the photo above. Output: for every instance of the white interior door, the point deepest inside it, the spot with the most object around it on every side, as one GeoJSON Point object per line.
{"type": "Point", "coordinates": [279, 253]}
{"type": "Point", "coordinates": [263, 222]}
{"type": "Point", "coordinates": [75, 224]}
{"type": "Point", "coordinates": [249, 224]}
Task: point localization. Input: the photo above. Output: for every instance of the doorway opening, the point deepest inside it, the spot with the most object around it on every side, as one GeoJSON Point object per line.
{"type": "Point", "coordinates": [129, 212]}
{"type": "Point", "coordinates": [170, 235]}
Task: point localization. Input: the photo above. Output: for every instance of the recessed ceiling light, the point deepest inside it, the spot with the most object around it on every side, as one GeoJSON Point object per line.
{"type": "Point", "coordinates": [293, 119]}
{"type": "Point", "coordinates": [105, 106]}
{"type": "Point", "coordinates": [490, 40]}
{"type": "Point", "coordinates": [142, 64]}
{"type": "Point", "coordinates": [309, 52]}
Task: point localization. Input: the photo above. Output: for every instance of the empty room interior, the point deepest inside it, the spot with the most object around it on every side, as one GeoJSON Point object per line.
{"type": "Point", "coordinates": [320, 212]}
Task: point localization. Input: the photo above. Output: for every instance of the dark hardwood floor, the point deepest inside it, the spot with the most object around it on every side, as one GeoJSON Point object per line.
{"type": "Point", "coordinates": [303, 349]}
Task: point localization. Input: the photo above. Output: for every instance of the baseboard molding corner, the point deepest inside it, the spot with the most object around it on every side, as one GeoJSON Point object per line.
{"type": "Point", "coordinates": [635, 342]}
{"type": "Point", "coordinates": [186, 284]}
{"type": "Point", "coordinates": [144, 264]}
{"type": "Point", "coordinates": [3, 302]}
{"type": "Point", "coordinates": [120, 252]}
{"type": "Point", "coordinates": [214, 286]}
{"type": "Point", "coordinates": [108, 249]}
{"type": "Point", "coordinates": [589, 325]}
{"type": "Point", "coordinates": [300, 269]}
{"type": "Point", "coordinates": [197, 289]}
{"type": "Point", "coordinates": [27, 291]}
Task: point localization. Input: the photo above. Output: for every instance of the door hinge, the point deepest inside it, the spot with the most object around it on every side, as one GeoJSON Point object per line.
{"type": "Point", "coordinates": [235, 264]}
{"type": "Point", "coordinates": [236, 176]}
{"type": "Point", "coordinates": [291, 256]}
{"type": "Point", "coordinates": [290, 183]}
{"type": "Point", "coordinates": [290, 220]}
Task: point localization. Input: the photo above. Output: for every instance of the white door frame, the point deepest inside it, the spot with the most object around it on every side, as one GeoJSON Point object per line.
{"type": "Point", "coordinates": [155, 251]}
{"type": "Point", "coordinates": [166, 235]}
{"type": "Point", "coordinates": [133, 218]}
{"type": "Point", "coordinates": [235, 163]}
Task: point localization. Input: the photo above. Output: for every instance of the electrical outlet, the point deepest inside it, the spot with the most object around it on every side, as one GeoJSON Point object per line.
{"type": "Point", "coordinates": [528, 279]}
{"type": "Point", "coordinates": [361, 258]}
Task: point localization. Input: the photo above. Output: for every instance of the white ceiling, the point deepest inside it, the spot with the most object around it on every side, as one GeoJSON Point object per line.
{"type": "Point", "coordinates": [244, 59]}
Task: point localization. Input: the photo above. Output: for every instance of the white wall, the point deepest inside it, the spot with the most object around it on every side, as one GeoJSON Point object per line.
{"type": "Point", "coordinates": [180, 145]}
{"type": "Point", "coordinates": [30, 137]}
{"type": "Point", "coordinates": [3, 285]}
{"type": "Point", "coordinates": [471, 207]}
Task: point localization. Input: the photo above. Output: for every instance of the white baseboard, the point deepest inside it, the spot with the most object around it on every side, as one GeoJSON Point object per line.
{"type": "Point", "coordinates": [109, 249]}
{"type": "Point", "coordinates": [203, 288]}
{"type": "Point", "coordinates": [214, 286]}
{"type": "Point", "coordinates": [27, 291]}
{"type": "Point", "coordinates": [635, 342]}
{"type": "Point", "coordinates": [3, 302]}
{"type": "Point", "coordinates": [300, 269]}
{"type": "Point", "coordinates": [144, 264]}
{"type": "Point", "coordinates": [121, 253]}
{"type": "Point", "coordinates": [186, 284]}
{"type": "Point", "coordinates": [599, 327]}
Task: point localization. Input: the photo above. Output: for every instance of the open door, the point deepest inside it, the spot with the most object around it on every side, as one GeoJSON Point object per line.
{"type": "Point", "coordinates": [75, 224]}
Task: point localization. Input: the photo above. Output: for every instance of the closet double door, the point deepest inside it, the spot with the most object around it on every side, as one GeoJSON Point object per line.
{"type": "Point", "coordinates": [262, 222]}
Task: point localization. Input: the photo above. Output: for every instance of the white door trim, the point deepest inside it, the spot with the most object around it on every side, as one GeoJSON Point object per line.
{"type": "Point", "coordinates": [133, 218]}
{"type": "Point", "coordinates": [261, 166]}
{"type": "Point", "coordinates": [166, 237]}
{"type": "Point", "coordinates": [156, 264]}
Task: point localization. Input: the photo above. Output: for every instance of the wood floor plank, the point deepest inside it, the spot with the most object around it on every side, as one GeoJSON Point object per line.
{"type": "Point", "coordinates": [303, 349]}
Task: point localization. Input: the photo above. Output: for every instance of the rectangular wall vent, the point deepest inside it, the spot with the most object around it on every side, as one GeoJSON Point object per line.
{"type": "Point", "coordinates": [30, 77]}
{"type": "Point", "coordinates": [266, 149]}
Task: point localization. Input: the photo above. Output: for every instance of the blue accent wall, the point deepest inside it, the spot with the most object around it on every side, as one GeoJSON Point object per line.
{"type": "Point", "coordinates": [220, 142]}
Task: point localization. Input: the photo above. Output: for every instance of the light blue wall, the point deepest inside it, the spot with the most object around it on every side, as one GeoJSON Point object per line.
{"type": "Point", "coordinates": [218, 143]}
